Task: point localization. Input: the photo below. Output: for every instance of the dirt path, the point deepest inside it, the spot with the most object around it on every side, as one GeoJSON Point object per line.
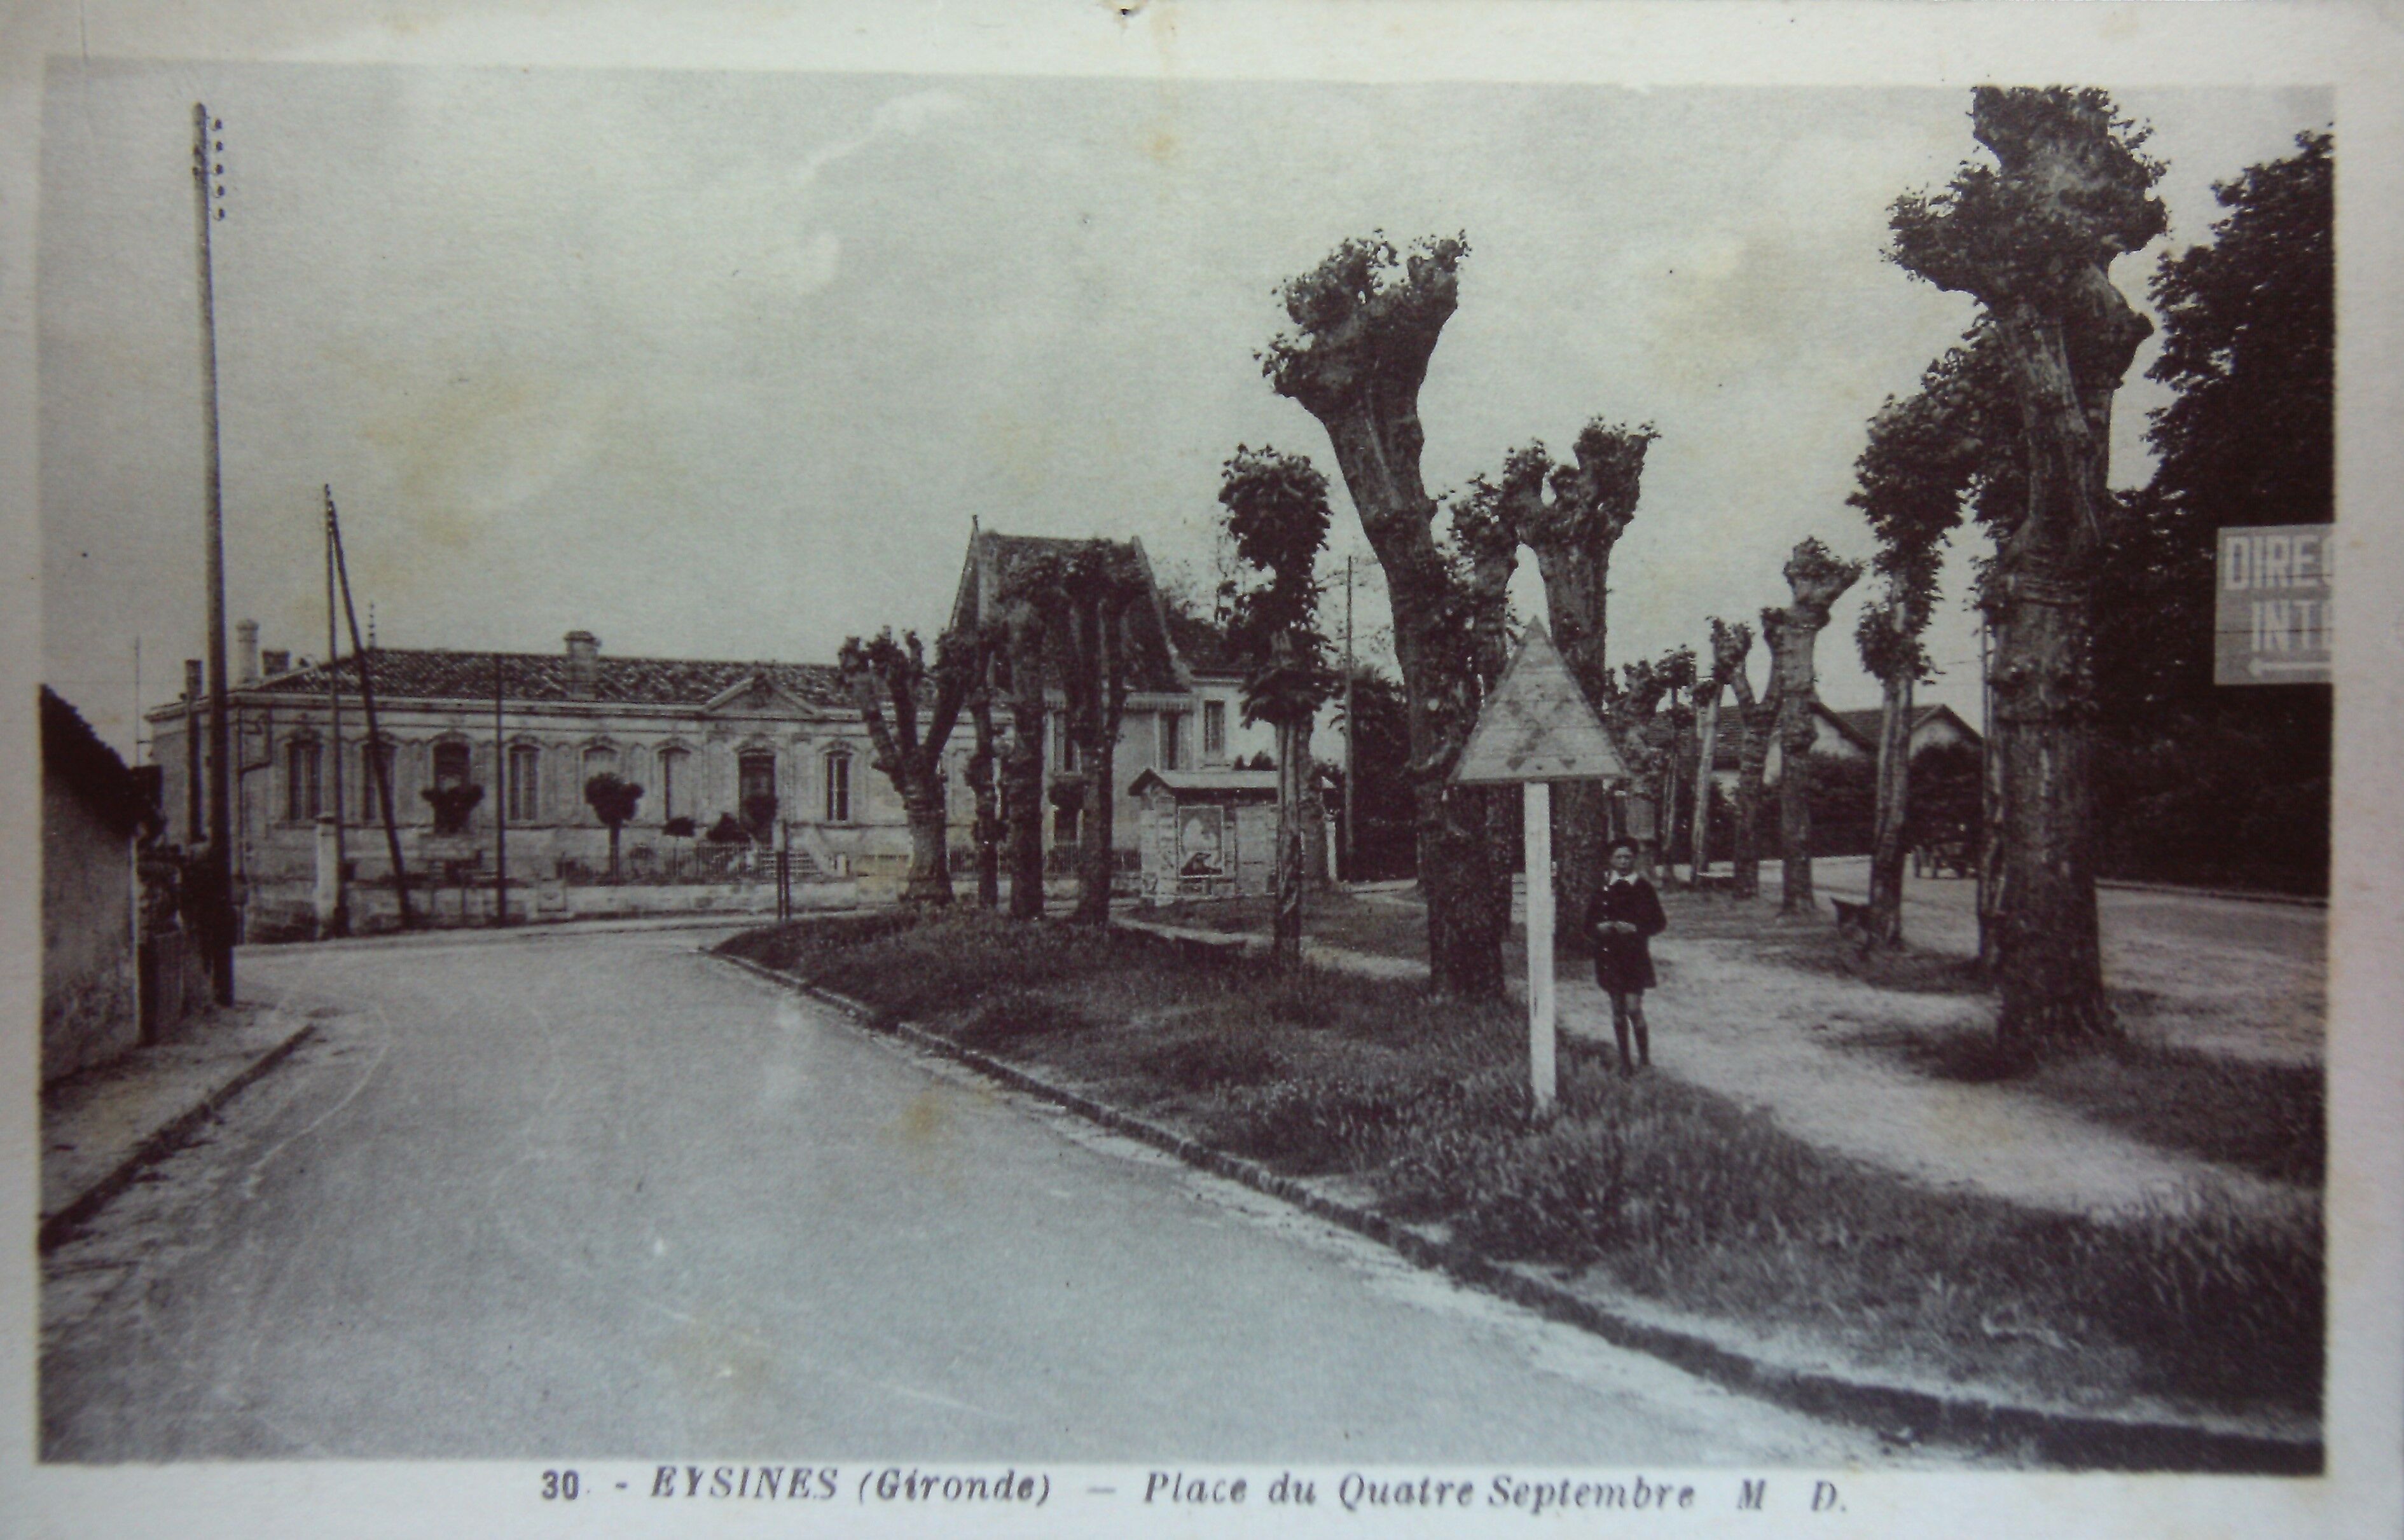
{"type": "Point", "coordinates": [1773, 1037]}
{"type": "Point", "coordinates": [1768, 1037]}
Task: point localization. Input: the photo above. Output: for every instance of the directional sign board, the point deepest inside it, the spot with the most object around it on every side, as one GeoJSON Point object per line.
{"type": "Point", "coordinates": [2272, 617]}
{"type": "Point", "coordinates": [1538, 727]}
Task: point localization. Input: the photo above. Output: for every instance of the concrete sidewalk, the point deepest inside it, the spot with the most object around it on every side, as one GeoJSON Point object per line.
{"type": "Point", "coordinates": [101, 1127]}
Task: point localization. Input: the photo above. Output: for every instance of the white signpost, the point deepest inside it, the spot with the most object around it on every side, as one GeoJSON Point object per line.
{"type": "Point", "coordinates": [1537, 729]}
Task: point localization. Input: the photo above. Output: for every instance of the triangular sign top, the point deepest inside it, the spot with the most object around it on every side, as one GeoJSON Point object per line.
{"type": "Point", "coordinates": [1537, 725]}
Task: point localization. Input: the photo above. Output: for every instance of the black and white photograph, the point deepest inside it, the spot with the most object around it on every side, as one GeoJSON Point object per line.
{"type": "Point", "coordinates": [1192, 796]}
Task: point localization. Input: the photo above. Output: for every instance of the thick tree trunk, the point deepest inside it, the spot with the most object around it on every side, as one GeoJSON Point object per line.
{"type": "Point", "coordinates": [1468, 891]}
{"type": "Point", "coordinates": [1887, 847]}
{"type": "Point", "coordinates": [2049, 972]}
{"type": "Point", "coordinates": [1754, 721]}
{"type": "Point", "coordinates": [930, 882]}
{"type": "Point", "coordinates": [613, 854]}
{"type": "Point", "coordinates": [1578, 605]}
{"type": "Point", "coordinates": [987, 833]}
{"type": "Point", "coordinates": [1285, 935]}
{"type": "Point", "coordinates": [1022, 790]}
{"type": "Point", "coordinates": [1104, 712]}
{"type": "Point", "coordinates": [1816, 581]}
{"type": "Point", "coordinates": [1707, 739]}
{"type": "Point", "coordinates": [1790, 653]}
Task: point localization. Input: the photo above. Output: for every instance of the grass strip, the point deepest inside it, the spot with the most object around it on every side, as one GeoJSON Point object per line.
{"type": "Point", "coordinates": [1661, 1189]}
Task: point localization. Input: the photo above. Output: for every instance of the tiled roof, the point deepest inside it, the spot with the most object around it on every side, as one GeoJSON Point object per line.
{"type": "Point", "coordinates": [1865, 725]}
{"type": "Point", "coordinates": [1155, 665]}
{"type": "Point", "coordinates": [437, 673]}
{"type": "Point", "coordinates": [1201, 644]}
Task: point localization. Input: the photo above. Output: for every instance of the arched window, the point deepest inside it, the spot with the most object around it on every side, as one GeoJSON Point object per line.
{"type": "Point", "coordinates": [838, 786]}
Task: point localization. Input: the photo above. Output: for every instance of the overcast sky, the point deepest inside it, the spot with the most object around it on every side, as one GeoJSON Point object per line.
{"type": "Point", "coordinates": [721, 365]}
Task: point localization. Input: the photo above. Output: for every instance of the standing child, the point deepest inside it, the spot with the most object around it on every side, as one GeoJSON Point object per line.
{"type": "Point", "coordinates": [1622, 917]}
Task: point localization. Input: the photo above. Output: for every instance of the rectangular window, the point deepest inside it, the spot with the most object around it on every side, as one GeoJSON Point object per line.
{"type": "Point", "coordinates": [375, 761]}
{"type": "Point", "coordinates": [1067, 743]}
{"type": "Point", "coordinates": [1172, 741]}
{"type": "Point", "coordinates": [450, 766]}
{"type": "Point", "coordinates": [300, 795]}
{"type": "Point", "coordinates": [838, 788]}
{"type": "Point", "coordinates": [1214, 729]}
{"type": "Point", "coordinates": [671, 783]}
{"type": "Point", "coordinates": [525, 784]}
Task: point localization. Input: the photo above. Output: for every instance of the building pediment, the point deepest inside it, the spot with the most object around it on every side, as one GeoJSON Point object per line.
{"type": "Point", "coordinates": [758, 695]}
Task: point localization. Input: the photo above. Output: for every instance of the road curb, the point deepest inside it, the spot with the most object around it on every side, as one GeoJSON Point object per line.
{"type": "Point", "coordinates": [2069, 1440]}
{"type": "Point", "coordinates": [161, 1143]}
{"type": "Point", "coordinates": [2233, 896]}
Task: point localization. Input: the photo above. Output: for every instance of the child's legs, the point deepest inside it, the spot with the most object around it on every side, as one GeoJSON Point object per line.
{"type": "Point", "coordinates": [1636, 1018]}
{"type": "Point", "coordinates": [1619, 1025]}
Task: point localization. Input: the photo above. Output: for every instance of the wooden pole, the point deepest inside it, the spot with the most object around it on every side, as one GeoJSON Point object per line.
{"type": "Point", "coordinates": [1542, 1016]}
{"type": "Point", "coordinates": [500, 806]}
{"type": "Point", "coordinates": [219, 900]}
{"type": "Point", "coordinates": [1351, 732]}
{"type": "Point", "coordinates": [379, 773]}
{"type": "Point", "coordinates": [341, 922]}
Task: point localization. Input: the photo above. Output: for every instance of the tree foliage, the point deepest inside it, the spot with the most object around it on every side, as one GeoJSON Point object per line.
{"type": "Point", "coordinates": [2208, 783]}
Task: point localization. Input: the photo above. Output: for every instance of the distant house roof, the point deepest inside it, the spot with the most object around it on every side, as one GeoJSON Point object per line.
{"type": "Point", "coordinates": [123, 797]}
{"type": "Point", "coordinates": [439, 673]}
{"type": "Point", "coordinates": [1156, 666]}
{"type": "Point", "coordinates": [1863, 725]}
{"type": "Point", "coordinates": [1244, 785]}
{"type": "Point", "coordinates": [1859, 727]}
{"type": "Point", "coordinates": [1202, 644]}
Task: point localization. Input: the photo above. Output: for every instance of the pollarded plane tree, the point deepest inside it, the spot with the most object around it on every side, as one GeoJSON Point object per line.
{"type": "Point", "coordinates": [1923, 456]}
{"type": "Point", "coordinates": [1278, 518]}
{"type": "Point", "coordinates": [909, 708]}
{"type": "Point", "coordinates": [1757, 719]}
{"type": "Point", "coordinates": [1365, 322]}
{"type": "Point", "coordinates": [1728, 649]}
{"type": "Point", "coordinates": [1573, 532]}
{"type": "Point", "coordinates": [1084, 593]}
{"type": "Point", "coordinates": [2032, 237]}
{"type": "Point", "coordinates": [1815, 580]}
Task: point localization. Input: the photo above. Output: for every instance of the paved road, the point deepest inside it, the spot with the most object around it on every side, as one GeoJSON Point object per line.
{"type": "Point", "coordinates": [1947, 909]}
{"type": "Point", "coordinates": [598, 1195]}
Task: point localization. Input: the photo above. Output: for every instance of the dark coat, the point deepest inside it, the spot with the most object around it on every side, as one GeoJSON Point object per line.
{"type": "Point", "coordinates": [1623, 964]}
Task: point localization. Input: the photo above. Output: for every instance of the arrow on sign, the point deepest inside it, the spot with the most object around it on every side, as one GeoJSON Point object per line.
{"type": "Point", "coordinates": [2260, 666]}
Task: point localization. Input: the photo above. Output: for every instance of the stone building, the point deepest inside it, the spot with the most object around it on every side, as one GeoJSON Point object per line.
{"type": "Point", "coordinates": [762, 755]}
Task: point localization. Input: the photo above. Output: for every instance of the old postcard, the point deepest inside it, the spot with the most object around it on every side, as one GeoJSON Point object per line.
{"type": "Point", "coordinates": [1126, 768]}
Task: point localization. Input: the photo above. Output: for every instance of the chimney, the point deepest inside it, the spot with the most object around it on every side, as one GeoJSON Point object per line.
{"type": "Point", "coordinates": [246, 647]}
{"type": "Point", "coordinates": [583, 663]}
{"type": "Point", "coordinates": [275, 660]}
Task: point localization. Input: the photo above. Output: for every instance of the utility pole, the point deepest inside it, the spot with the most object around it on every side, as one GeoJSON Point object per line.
{"type": "Point", "coordinates": [378, 766]}
{"type": "Point", "coordinates": [218, 903]}
{"type": "Point", "coordinates": [500, 806]}
{"type": "Point", "coordinates": [1352, 731]}
{"type": "Point", "coordinates": [193, 791]}
{"type": "Point", "coordinates": [341, 921]}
